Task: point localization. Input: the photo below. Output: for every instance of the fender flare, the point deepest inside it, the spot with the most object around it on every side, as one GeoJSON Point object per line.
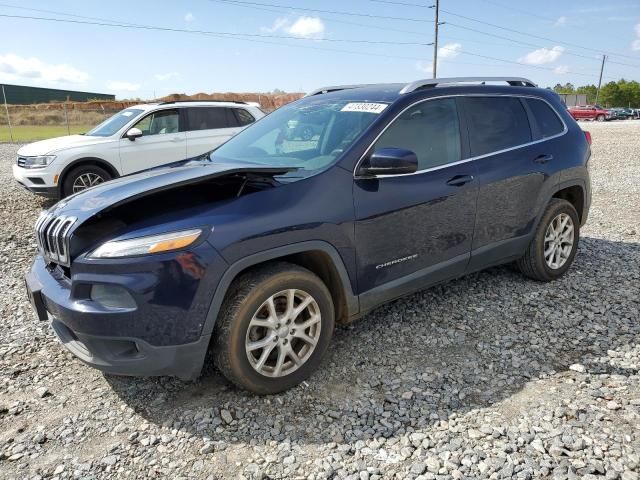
{"type": "Point", "coordinates": [273, 254]}
{"type": "Point", "coordinates": [99, 161]}
{"type": "Point", "coordinates": [576, 182]}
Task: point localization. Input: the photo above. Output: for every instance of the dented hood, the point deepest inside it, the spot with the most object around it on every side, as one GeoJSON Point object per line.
{"type": "Point", "coordinates": [117, 192]}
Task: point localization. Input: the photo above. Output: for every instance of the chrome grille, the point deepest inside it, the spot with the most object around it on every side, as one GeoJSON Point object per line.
{"type": "Point", "coordinates": [21, 161]}
{"type": "Point", "coordinates": [52, 237]}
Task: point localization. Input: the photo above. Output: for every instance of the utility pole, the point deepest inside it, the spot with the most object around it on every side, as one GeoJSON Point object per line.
{"type": "Point", "coordinates": [435, 41]}
{"type": "Point", "coordinates": [604, 57]}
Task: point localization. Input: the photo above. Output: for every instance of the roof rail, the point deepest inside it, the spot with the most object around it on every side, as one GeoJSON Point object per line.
{"type": "Point", "coordinates": [208, 100]}
{"type": "Point", "coordinates": [434, 82]}
{"type": "Point", "coordinates": [336, 88]}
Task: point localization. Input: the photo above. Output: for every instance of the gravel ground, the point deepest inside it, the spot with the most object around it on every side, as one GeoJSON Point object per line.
{"type": "Point", "coordinates": [490, 376]}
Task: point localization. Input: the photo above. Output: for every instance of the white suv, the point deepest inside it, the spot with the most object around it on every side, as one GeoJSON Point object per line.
{"type": "Point", "coordinates": [135, 139]}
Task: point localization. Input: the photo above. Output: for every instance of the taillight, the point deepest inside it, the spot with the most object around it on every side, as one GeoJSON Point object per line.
{"type": "Point", "coordinates": [588, 137]}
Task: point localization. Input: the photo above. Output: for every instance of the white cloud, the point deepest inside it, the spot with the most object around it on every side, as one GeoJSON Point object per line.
{"type": "Point", "coordinates": [307, 27]}
{"type": "Point", "coordinates": [15, 67]}
{"type": "Point", "coordinates": [302, 27]}
{"type": "Point", "coordinates": [163, 77]}
{"type": "Point", "coordinates": [561, 69]}
{"type": "Point", "coordinates": [189, 17]}
{"type": "Point", "coordinates": [561, 21]}
{"type": "Point", "coordinates": [635, 45]}
{"type": "Point", "coordinates": [542, 56]}
{"type": "Point", "coordinates": [448, 50]}
{"type": "Point", "coordinates": [123, 86]}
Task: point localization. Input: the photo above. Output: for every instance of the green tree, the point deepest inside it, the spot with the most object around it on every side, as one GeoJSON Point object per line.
{"type": "Point", "coordinates": [590, 91]}
{"type": "Point", "coordinates": [566, 88]}
{"type": "Point", "coordinates": [610, 94]}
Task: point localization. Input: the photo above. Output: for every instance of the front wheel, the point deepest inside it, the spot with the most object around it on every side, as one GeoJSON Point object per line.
{"type": "Point", "coordinates": [274, 328]}
{"type": "Point", "coordinates": [600, 118]}
{"type": "Point", "coordinates": [554, 244]}
{"type": "Point", "coordinates": [83, 177]}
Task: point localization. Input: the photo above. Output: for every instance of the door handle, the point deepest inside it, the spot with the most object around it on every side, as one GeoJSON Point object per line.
{"type": "Point", "coordinates": [544, 158]}
{"type": "Point", "coordinates": [459, 180]}
{"type": "Point", "coordinates": [177, 139]}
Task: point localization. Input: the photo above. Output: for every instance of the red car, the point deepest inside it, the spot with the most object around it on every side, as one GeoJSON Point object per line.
{"type": "Point", "coordinates": [589, 112]}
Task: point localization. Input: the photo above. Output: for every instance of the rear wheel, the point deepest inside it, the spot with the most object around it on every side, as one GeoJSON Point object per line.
{"type": "Point", "coordinates": [83, 177]}
{"type": "Point", "coordinates": [553, 247]}
{"type": "Point", "coordinates": [274, 328]}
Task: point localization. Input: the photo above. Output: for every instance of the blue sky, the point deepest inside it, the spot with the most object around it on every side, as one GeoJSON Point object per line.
{"type": "Point", "coordinates": [140, 62]}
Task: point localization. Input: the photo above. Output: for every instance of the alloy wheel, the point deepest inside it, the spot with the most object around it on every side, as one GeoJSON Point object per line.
{"type": "Point", "coordinates": [558, 241]}
{"type": "Point", "coordinates": [86, 180]}
{"type": "Point", "coordinates": [283, 333]}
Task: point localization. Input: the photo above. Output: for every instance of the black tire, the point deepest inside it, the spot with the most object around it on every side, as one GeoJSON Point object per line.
{"type": "Point", "coordinates": [246, 295]}
{"type": "Point", "coordinates": [533, 263]}
{"type": "Point", "coordinates": [71, 177]}
{"type": "Point", "coordinates": [600, 118]}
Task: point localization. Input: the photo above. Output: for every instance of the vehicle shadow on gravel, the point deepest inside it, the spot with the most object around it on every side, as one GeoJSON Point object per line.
{"type": "Point", "coordinates": [467, 344]}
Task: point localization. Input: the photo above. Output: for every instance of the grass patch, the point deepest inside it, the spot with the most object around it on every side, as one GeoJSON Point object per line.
{"type": "Point", "coordinates": [30, 133]}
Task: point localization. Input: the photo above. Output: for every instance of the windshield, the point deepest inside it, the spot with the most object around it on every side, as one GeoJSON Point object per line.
{"type": "Point", "coordinates": [112, 124]}
{"type": "Point", "coordinates": [310, 135]}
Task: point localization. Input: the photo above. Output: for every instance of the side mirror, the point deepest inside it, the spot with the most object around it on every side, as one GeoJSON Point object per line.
{"type": "Point", "coordinates": [390, 161]}
{"type": "Point", "coordinates": [133, 133]}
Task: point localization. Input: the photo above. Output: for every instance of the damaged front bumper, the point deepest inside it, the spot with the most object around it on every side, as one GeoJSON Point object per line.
{"type": "Point", "coordinates": [159, 335]}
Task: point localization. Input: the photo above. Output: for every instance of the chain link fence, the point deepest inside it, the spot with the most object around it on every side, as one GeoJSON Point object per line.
{"type": "Point", "coordinates": [28, 123]}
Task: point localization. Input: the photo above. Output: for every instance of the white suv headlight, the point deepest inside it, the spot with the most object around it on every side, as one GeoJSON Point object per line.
{"type": "Point", "coordinates": [37, 162]}
{"type": "Point", "coordinates": [165, 242]}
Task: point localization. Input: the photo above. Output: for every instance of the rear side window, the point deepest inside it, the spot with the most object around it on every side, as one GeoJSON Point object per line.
{"type": "Point", "coordinates": [496, 123]}
{"type": "Point", "coordinates": [244, 117]}
{"type": "Point", "coordinates": [430, 130]}
{"type": "Point", "coordinates": [208, 118]}
{"type": "Point", "coordinates": [548, 122]}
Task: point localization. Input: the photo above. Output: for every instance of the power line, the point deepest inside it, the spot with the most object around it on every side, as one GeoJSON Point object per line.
{"type": "Point", "coordinates": [335, 12]}
{"type": "Point", "coordinates": [535, 15]}
{"type": "Point", "coordinates": [513, 40]}
{"type": "Point", "coordinates": [238, 36]}
{"type": "Point", "coordinates": [207, 32]}
{"type": "Point", "coordinates": [331, 19]}
{"type": "Point", "coordinates": [258, 6]}
{"type": "Point", "coordinates": [420, 5]}
{"type": "Point", "coordinates": [529, 34]}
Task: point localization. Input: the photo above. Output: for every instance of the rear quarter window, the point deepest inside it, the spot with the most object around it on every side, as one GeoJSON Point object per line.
{"type": "Point", "coordinates": [547, 120]}
{"type": "Point", "coordinates": [496, 123]}
{"type": "Point", "coordinates": [244, 117]}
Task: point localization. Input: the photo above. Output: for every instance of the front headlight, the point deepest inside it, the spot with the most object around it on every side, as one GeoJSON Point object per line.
{"type": "Point", "coordinates": [37, 162]}
{"type": "Point", "coordinates": [165, 242]}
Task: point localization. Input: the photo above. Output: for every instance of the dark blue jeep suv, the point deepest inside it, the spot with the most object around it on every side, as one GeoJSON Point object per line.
{"type": "Point", "coordinates": [253, 252]}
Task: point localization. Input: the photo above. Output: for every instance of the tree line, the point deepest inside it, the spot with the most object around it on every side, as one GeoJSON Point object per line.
{"type": "Point", "coordinates": [622, 93]}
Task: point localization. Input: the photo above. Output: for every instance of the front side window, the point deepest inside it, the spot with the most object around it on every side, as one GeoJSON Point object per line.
{"type": "Point", "coordinates": [430, 130]}
{"type": "Point", "coordinates": [210, 118]}
{"type": "Point", "coordinates": [160, 122]}
{"type": "Point", "coordinates": [549, 124]}
{"type": "Point", "coordinates": [112, 124]}
{"type": "Point", "coordinates": [309, 135]}
{"type": "Point", "coordinates": [496, 123]}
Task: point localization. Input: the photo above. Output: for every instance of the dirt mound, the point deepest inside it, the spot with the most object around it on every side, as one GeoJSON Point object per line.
{"type": "Point", "coordinates": [267, 101]}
